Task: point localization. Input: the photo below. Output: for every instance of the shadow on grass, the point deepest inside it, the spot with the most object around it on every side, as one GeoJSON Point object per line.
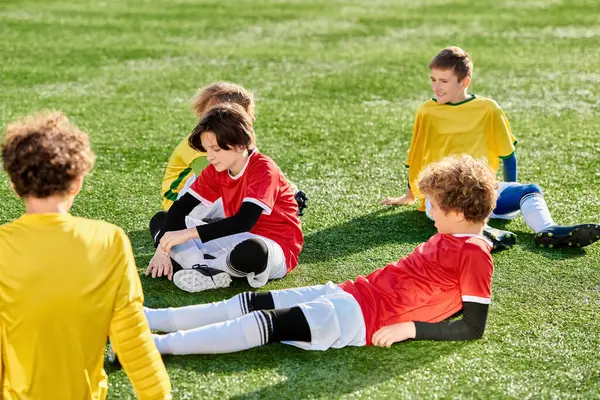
{"type": "Point", "coordinates": [384, 226]}
{"type": "Point", "coordinates": [305, 374]}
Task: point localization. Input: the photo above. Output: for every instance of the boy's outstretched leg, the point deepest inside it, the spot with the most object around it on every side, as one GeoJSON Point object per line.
{"type": "Point", "coordinates": [190, 317]}
{"type": "Point", "coordinates": [251, 330]}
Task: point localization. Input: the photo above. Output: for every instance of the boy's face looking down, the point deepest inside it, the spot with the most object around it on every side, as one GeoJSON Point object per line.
{"type": "Point", "coordinates": [232, 159]}
{"type": "Point", "coordinates": [446, 87]}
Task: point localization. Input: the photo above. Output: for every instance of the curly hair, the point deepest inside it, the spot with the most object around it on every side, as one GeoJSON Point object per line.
{"type": "Point", "coordinates": [222, 92]}
{"type": "Point", "coordinates": [456, 59]}
{"type": "Point", "coordinates": [44, 154]}
{"type": "Point", "coordinates": [461, 184]}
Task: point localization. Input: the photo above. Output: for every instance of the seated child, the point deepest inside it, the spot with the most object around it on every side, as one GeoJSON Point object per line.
{"type": "Point", "coordinates": [408, 299]}
{"type": "Point", "coordinates": [186, 163]}
{"type": "Point", "coordinates": [456, 122]}
{"type": "Point", "coordinates": [66, 282]}
{"type": "Point", "coordinates": [239, 217]}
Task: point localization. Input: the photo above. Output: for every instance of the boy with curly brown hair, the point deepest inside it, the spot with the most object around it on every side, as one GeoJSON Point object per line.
{"type": "Point", "coordinates": [66, 283]}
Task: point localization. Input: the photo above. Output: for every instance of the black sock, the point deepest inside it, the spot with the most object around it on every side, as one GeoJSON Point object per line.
{"type": "Point", "coordinates": [287, 324]}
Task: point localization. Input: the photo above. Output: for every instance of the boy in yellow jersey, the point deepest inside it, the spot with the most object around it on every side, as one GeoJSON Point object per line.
{"type": "Point", "coordinates": [185, 163]}
{"type": "Point", "coordinates": [456, 122]}
{"type": "Point", "coordinates": [66, 283]}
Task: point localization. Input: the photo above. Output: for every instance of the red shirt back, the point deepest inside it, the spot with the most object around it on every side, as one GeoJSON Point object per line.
{"type": "Point", "coordinates": [429, 285]}
{"type": "Point", "coordinates": [260, 182]}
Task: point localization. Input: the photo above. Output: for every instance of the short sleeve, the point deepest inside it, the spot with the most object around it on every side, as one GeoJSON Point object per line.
{"type": "Point", "coordinates": [476, 269]}
{"type": "Point", "coordinates": [504, 140]}
{"type": "Point", "coordinates": [263, 185]}
{"type": "Point", "coordinates": [206, 187]}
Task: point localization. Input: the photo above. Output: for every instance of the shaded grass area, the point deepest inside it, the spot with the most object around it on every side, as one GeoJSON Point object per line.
{"type": "Point", "coordinates": [337, 84]}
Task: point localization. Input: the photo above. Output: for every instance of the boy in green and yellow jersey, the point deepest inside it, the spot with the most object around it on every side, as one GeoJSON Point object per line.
{"type": "Point", "coordinates": [457, 122]}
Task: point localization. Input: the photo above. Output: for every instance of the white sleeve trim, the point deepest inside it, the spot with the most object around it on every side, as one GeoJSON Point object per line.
{"type": "Point", "coordinates": [200, 198]}
{"type": "Point", "coordinates": [266, 208]}
{"type": "Point", "coordinates": [475, 299]}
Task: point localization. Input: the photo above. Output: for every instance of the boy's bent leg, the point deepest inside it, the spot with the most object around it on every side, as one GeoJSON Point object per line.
{"type": "Point", "coordinates": [568, 236]}
{"type": "Point", "coordinates": [253, 257]}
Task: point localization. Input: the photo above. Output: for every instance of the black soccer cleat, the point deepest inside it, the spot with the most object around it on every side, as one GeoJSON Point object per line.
{"type": "Point", "coordinates": [157, 223]}
{"type": "Point", "coordinates": [201, 277]}
{"type": "Point", "coordinates": [561, 237]}
{"type": "Point", "coordinates": [301, 199]}
{"type": "Point", "coordinates": [501, 240]}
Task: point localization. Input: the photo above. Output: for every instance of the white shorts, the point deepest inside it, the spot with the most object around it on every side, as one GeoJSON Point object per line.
{"type": "Point", "coordinates": [501, 187]}
{"type": "Point", "coordinates": [334, 316]}
{"type": "Point", "coordinates": [192, 253]}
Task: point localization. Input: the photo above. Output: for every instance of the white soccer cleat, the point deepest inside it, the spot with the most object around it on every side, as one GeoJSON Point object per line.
{"type": "Point", "coordinates": [201, 277]}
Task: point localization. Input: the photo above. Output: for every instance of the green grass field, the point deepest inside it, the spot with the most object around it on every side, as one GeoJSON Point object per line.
{"type": "Point", "coordinates": [337, 84]}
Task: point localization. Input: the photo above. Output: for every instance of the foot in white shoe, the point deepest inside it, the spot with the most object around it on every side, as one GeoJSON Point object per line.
{"type": "Point", "coordinates": [201, 278]}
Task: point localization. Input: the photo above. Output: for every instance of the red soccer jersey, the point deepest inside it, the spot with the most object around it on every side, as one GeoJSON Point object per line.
{"type": "Point", "coordinates": [429, 285]}
{"type": "Point", "coordinates": [262, 183]}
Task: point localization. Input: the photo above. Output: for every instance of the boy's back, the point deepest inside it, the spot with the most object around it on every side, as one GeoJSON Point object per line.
{"type": "Point", "coordinates": [62, 279]}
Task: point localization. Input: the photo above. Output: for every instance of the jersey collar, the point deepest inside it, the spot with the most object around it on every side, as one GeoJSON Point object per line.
{"type": "Point", "coordinates": [475, 236]}
{"type": "Point", "coordinates": [239, 175]}
{"type": "Point", "coordinates": [472, 96]}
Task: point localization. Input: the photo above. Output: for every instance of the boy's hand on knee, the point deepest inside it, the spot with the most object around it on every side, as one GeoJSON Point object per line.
{"type": "Point", "coordinates": [174, 238]}
{"type": "Point", "coordinates": [391, 334]}
{"type": "Point", "coordinates": [160, 265]}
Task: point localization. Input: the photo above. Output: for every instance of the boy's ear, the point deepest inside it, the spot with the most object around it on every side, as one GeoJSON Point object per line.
{"type": "Point", "coordinates": [466, 82]}
{"type": "Point", "coordinates": [12, 186]}
{"type": "Point", "coordinates": [76, 186]}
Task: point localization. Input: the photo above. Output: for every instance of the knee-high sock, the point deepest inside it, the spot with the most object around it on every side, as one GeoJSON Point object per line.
{"type": "Point", "coordinates": [535, 212]}
{"type": "Point", "coordinates": [246, 332]}
{"type": "Point", "coordinates": [190, 317]}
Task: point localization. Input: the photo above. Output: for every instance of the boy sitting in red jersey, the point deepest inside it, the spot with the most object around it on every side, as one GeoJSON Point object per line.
{"type": "Point", "coordinates": [408, 299]}
{"type": "Point", "coordinates": [239, 218]}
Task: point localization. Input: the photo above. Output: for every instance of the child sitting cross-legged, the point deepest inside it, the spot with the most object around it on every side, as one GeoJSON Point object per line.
{"type": "Point", "coordinates": [412, 298]}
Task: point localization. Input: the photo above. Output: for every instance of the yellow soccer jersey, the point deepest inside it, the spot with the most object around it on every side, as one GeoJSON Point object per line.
{"type": "Point", "coordinates": [66, 284]}
{"type": "Point", "coordinates": [184, 161]}
{"type": "Point", "coordinates": [476, 126]}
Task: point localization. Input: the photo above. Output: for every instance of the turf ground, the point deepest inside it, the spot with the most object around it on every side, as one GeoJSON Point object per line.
{"type": "Point", "coordinates": [337, 84]}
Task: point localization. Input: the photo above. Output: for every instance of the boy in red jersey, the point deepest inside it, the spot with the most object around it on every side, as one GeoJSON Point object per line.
{"type": "Point", "coordinates": [239, 218]}
{"type": "Point", "coordinates": [408, 299]}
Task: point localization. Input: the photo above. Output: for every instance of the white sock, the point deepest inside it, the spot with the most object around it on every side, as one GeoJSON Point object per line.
{"type": "Point", "coordinates": [180, 318]}
{"type": "Point", "coordinates": [238, 334]}
{"type": "Point", "coordinates": [535, 212]}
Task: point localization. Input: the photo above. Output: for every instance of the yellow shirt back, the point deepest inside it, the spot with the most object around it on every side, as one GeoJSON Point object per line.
{"type": "Point", "coordinates": [477, 127]}
{"type": "Point", "coordinates": [183, 162]}
{"type": "Point", "coordinates": [66, 284]}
